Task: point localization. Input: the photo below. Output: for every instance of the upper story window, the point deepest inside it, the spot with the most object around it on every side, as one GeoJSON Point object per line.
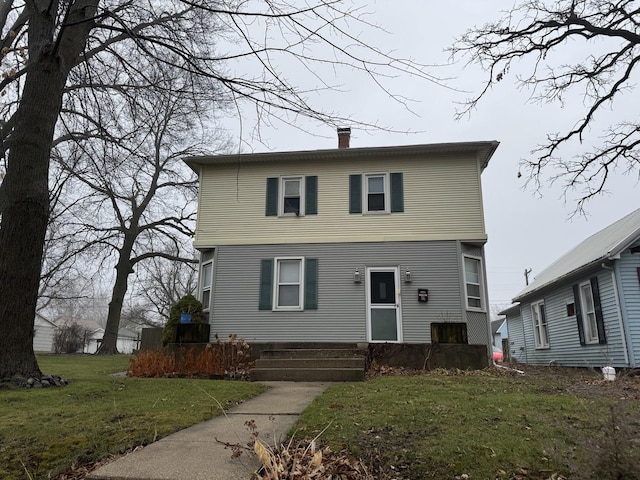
{"type": "Point", "coordinates": [473, 283]}
{"type": "Point", "coordinates": [376, 193]}
{"type": "Point", "coordinates": [292, 199]}
{"type": "Point", "coordinates": [292, 196]}
{"type": "Point", "coordinates": [540, 331]}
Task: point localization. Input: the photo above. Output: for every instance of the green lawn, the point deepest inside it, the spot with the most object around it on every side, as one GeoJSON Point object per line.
{"type": "Point", "coordinates": [485, 425]}
{"type": "Point", "coordinates": [44, 432]}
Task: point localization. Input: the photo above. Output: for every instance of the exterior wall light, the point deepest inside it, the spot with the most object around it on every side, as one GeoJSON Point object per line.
{"type": "Point", "coordinates": [356, 276]}
{"type": "Point", "coordinates": [407, 276]}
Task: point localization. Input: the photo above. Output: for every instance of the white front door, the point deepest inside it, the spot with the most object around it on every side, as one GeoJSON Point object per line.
{"type": "Point", "coordinates": [383, 305]}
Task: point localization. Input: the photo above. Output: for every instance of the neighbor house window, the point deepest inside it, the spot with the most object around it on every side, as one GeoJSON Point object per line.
{"type": "Point", "coordinates": [206, 279]}
{"type": "Point", "coordinates": [288, 284]}
{"type": "Point", "coordinates": [376, 193]}
{"type": "Point", "coordinates": [588, 313]}
{"type": "Point", "coordinates": [473, 282]}
{"type": "Point", "coordinates": [540, 325]}
{"type": "Point", "coordinates": [589, 317]}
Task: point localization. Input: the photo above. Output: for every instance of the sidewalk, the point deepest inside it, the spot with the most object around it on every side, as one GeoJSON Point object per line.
{"type": "Point", "coordinates": [194, 453]}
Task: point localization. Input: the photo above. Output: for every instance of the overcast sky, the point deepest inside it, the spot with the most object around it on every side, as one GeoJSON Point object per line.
{"type": "Point", "coordinates": [525, 230]}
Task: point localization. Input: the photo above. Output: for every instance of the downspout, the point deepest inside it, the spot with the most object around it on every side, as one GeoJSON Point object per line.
{"type": "Point", "coordinates": [524, 338]}
{"type": "Point", "coordinates": [623, 328]}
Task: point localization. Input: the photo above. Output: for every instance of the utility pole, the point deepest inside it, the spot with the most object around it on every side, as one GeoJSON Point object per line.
{"type": "Point", "coordinates": [527, 271]}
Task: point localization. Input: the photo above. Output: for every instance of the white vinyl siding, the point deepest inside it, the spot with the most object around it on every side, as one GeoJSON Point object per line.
{"type": "Point", "coordinates": [540, 331]}
{"type": "Point", "coordinates": [442, 201]}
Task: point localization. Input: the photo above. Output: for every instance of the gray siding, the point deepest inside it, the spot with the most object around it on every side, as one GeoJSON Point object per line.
{"type": "Point", "coordinates": [629, 291]}
{"type": "Point", "coordinates": [341, 314]}
{"type": "Point", "coordinates": [564, 344]}
{"type": "Point", "coordinates": [517, 344]}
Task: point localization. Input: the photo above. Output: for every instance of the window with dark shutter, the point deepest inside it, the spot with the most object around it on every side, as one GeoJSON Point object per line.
{"type": "Point", "coordinates": [266, 284]}
{"type": "Point", "coordinates": [355, 193]}
{"type": "Point", "coordinates": [311, 195]}
{"type": "Point", "coordinates": [311, 284]}
{"type": "Point", "coordinates": [397, 193]}
{"type": "Point", "coordinates": [271, 208]}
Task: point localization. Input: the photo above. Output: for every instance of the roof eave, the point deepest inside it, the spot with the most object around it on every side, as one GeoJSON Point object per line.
{"type": "Point", "coordinates": [484, 150]}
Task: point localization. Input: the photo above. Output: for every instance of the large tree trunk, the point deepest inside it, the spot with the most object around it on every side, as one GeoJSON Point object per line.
{"type": "Point", "coordinates": [25, 209]}
{"type": "Point", "coordinates": [25, 215]}
{"type": "Point", "coordinates": [109, 345]}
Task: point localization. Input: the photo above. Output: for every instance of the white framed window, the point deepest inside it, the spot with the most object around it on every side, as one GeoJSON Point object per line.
{"type": "Point", "coordinates": [588, 313]}
{"type": "Point", "coordinates": [291, 201]}
{"type": "Point", "coordinates": [289, 285]}
{"type": "Point", "coordinates": [539, 318]}
{"type": "Point", "coordinates": [473, 283]}
{"type": "Point", "coordinates": [206, 277]}
{"type": "Point", "coordinates": [376, 193]}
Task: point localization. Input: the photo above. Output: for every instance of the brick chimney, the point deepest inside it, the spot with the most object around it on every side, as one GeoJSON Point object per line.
{"type": "Point", "coordinates": [344, 136]}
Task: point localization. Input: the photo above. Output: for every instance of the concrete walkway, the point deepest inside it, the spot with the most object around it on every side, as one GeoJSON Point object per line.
{"type": "Point", "coordinates": [194, 453]}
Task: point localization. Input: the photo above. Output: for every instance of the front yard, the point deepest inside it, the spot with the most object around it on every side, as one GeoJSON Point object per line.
{"type": "Point", "coordinates": [492, 424]}
{"type": "Point", "coordinates": [550, 423]}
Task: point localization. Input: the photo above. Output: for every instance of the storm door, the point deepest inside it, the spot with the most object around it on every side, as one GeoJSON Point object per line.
{"type": "Point", "coordinates": [383, 305]}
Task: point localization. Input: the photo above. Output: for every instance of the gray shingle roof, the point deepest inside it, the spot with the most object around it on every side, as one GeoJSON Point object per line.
{"type": "Point", "coordinates": [603, 245]}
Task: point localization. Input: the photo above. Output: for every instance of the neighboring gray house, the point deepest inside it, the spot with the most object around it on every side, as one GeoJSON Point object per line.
{"type": "Point", "coordinates": [345, 245]}
{"type": "Point", "coordinates": [584, 309]}
{"type": "Point", "coordinates": [43, 334]}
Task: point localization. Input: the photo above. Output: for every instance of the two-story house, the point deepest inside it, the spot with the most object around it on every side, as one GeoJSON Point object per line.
{"type": "Point", "coordinates": [354, 245]}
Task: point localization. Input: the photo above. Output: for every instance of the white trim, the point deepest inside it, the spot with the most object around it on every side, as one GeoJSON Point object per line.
{"type": "Point", "coordinates": [535, 309]}
{"type": "Point", "coordinates": [480, 284]}
{"type": "Point", "coordinates": [301, 181]}
{"type": "Point", "coordinates": [397, 306]}
{"type": "Point", "coordinates": [386, 193]}
{"type": "Point", "coordinates": [276, 284]}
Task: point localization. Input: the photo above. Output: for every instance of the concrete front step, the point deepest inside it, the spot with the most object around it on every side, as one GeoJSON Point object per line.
{"type": "Point", "coordinates": [310, 365]}
{"type": "Point", "coordinates": [308, 374]}
{"type": "Point", "coordinates": [312, 353]}
{"type": "Point", "coordinates": [352, 362]}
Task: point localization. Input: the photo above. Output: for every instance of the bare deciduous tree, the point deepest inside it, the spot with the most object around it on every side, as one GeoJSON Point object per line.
{"type": "Point", "coordinates": [604, 40]}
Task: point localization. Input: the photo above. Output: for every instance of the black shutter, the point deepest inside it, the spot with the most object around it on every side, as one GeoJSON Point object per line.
{"type": "Point", "coordinates": [355, 193]}
{"type": "Point", "coordinates": [311, 284]}
{"type": "Point", "coordinates": [271, 208]}
{"type": "Point", "coordinates": [397, 192]}
{"type": "Point", "coordinates": [595, 291]}
{"type": "Point", "coordinates": [311, 195]}
{"type": "Point", "coordinates": [576, 300]}
{"type": "Point", "coordinates": [266, 284]}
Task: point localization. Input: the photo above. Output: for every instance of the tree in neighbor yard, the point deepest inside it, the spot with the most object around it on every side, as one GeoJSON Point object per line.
{"type": "Point", "coordinates": [55, 50]}
{"type": "Point", "coordinates": [587, 47]}
{"type": "Point", "coordinates": [133, 199]}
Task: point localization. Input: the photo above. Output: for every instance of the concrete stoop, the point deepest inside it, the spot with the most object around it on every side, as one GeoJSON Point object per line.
{"type": "Point", "coordinates": [310, 365]}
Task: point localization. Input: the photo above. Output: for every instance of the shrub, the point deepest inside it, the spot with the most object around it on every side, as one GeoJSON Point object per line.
{"type": "Point", "coordinates": [187, 304]}
{"type": "Point", "coordinates": [69, 338]}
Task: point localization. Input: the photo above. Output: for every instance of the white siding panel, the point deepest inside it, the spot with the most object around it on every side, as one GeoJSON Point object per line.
{"type": "Point", "coordinates": [442, 198]}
